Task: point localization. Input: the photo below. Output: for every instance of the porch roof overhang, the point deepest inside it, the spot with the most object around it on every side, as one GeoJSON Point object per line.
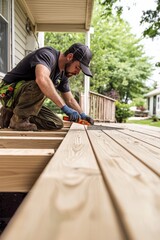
{"type": "Point", "coordinates": [153, 93]}
{"type": "Point", "coordinates": [59, 15]}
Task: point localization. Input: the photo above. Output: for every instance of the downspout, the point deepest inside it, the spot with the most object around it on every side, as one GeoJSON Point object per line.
{"type": "Point", "coordinates": [12, 36]}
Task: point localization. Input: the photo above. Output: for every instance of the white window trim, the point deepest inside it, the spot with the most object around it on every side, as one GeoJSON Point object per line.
{"type": "Point", "coordinates": [6, 22]}
{"type": "Point", "coordinates": [9, 36]}
{"type": "Point", "coordinates": [158, 102]}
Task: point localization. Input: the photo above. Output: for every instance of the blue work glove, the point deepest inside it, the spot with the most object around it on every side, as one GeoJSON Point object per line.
{"type": "Point", "coordinates": [87, 118]}
{"type": "Point", "coordinates": [73, 114]}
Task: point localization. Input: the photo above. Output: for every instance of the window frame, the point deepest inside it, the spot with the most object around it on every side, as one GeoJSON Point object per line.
{"type": "Point", "coordinates": [4, 45]}
{"type": "Point", "coordinates": [158, 102]}
{"type": "Point", "coordinates": [5, 15]}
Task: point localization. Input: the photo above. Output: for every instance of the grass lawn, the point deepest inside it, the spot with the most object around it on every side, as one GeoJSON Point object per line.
{"type": "Point", "coordinates": [145, 122]}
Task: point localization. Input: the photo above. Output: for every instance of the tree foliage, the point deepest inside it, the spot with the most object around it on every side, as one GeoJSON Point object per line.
{"type": "Point", "coordinates": [119, 61]}
{"type": "Point", "coordinates": [118, 65]}
{"type": "Point", "coordinates": [150, 17]}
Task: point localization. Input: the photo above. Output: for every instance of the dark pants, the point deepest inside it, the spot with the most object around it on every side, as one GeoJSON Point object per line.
{"type": "Point", "coordinates": [28, 103]}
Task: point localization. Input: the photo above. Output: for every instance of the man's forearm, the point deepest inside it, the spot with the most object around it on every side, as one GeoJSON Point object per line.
{"type": "Point", "coordinates": [74, 104]}
{"type": "Point", "coordinates": [50, 92]}
{"type": "Point", "coordinates": [46, 85]}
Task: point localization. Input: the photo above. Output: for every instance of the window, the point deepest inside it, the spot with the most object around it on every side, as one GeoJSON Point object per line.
{"type": "Point", "coordinates": [158, 102]}
{"type": "Point", "coordinates": [3, 36]}
{"type": "Point", "coordinates": [148, 103]}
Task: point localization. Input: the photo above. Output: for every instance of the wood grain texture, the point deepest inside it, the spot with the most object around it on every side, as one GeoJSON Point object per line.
{"type": "Point", "coordinates": [135, 189]}
{"type": "Point", "coordinates": [20, 168]}
{"type": "Point", "coordinates": [69, 200]}
{"type": "Point", "coordinates": [144, 138]}
{"type": "Point", "coordinates": [146, 130]}
{"type": "Point", "coordinates": [30, 142]}
{"type": "Point", "coordinates": [34, 134]}
{"type": "Point", "coordinates": [147, 154]}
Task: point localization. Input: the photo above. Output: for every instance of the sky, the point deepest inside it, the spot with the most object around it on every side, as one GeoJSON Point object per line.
{"type": "Point", "coordinates": [151, 47]}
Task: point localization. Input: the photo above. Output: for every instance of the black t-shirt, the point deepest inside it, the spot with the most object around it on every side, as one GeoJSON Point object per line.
{"type": "Point", "coordinates": [25, 69]}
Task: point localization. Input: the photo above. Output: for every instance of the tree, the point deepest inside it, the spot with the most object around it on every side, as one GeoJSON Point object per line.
{"type": "Point", "coordinates": [151, 17]}
{"type": "Point", "coordinates": [119, 62]}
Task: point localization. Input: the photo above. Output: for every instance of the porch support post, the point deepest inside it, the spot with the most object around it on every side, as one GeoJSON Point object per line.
{"type": "Point", "coordinates": [86, 80]}
{"type": "Point", "coordinates": [41, 39]}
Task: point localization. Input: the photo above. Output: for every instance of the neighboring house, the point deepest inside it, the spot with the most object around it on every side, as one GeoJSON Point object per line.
{"type": "Point", "coordinates": [22, 20]}
{"type": "Point", "coordinates": [153, 102]}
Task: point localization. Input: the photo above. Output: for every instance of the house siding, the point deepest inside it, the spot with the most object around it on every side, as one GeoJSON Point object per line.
{"type": "Point", "coordinates": [20, 33]}
{"type": "Point", "coordinates": [158, 106]}
{"type": "Point", "coordinates": [151, 104]}
{"type": "Point", "coordinates": [153, 98]}
{"type": "Point", "coordinates": [18, 46]}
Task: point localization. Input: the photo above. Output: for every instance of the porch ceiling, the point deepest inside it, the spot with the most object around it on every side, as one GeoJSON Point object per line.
{"type": "Point", "coordinates": [59, 15]}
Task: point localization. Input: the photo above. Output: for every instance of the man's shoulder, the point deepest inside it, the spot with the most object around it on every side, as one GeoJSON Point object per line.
{"type": "Point", "coordinates": [48, 49]}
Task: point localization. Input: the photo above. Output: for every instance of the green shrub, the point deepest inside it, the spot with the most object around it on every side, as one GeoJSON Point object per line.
{"type": "Point", "coordinates": [122, 112]}
{"type": "Point", "coordinates": [48, 103]}
{"type": "Point", "coordinates": [155, 118]}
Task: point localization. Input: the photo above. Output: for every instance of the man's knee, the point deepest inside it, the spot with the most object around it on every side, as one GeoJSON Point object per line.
{"type": "Point", "coordinates": [60, 124]}
{"type": "Point", "coordinates": [46, 124]}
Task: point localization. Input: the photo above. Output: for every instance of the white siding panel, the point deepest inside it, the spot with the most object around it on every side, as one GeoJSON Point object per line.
{"type": "Point", "coordinates": [20, 33]}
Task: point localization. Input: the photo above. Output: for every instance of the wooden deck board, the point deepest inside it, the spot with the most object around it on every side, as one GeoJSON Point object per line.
{"type": "Point", "coordinates": [147, 154]}
{"type": "Point", "coordinates": [20, 168]}
{"type": "Point", "coordinates": [34, 134]}
{"type": "Point", "coordinates": [101, 183]}
{"type": "Point", "coordinates": [146, 130]}
{"type": "Point", "coordinates": [135, 189]}
{"type": "Point", "coordinates": [30, 142]}
{"type": "Point", "coordinates": [69, 197]}
{"type": "Point", "coordinates": [24, 155]}
{"type": "Point", "coordinates": [144, 138]}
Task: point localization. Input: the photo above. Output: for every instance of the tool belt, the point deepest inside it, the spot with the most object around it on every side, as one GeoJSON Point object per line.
{"type": "Point", "coordinates": [8, 91]}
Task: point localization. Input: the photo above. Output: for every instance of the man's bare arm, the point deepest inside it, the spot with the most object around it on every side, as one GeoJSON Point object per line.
{"type": "Point", "coordinates": [45, 84]}
{"type": "Point", "coordinates": [71, 101]}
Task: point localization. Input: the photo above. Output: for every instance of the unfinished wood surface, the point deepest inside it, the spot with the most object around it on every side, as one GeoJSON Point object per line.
{"type": "Point", "coordinates": [69, 200]}
{"type": "Point", "coordinates": [147, 154]}
{"type": "Point", "coordinates": [146, 130]}
{"type": "Point", "coordinates": [134, 188]}
{"type": "Point", "coordinates": [34, 134]}
{"type": "Point", "coordinates": [20, 168]}
{"type": "Point", "coordinates": [144, 138]}
{"type": "Point", "coordinates": [30, 142]}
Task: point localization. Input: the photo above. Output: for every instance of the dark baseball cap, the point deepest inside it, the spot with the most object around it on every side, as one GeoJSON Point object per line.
{"type": "Point", "coordinates": [82, 54]}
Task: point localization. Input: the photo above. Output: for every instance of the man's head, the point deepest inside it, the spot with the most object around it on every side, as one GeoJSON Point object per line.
{"type": "Point", "coordinates": [80, 55]}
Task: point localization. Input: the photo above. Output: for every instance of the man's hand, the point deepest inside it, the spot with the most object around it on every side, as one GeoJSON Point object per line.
{"type": "Point", "coordinates": [87, 118]}
{"type": "Point", "coordinates": [73, 115]}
